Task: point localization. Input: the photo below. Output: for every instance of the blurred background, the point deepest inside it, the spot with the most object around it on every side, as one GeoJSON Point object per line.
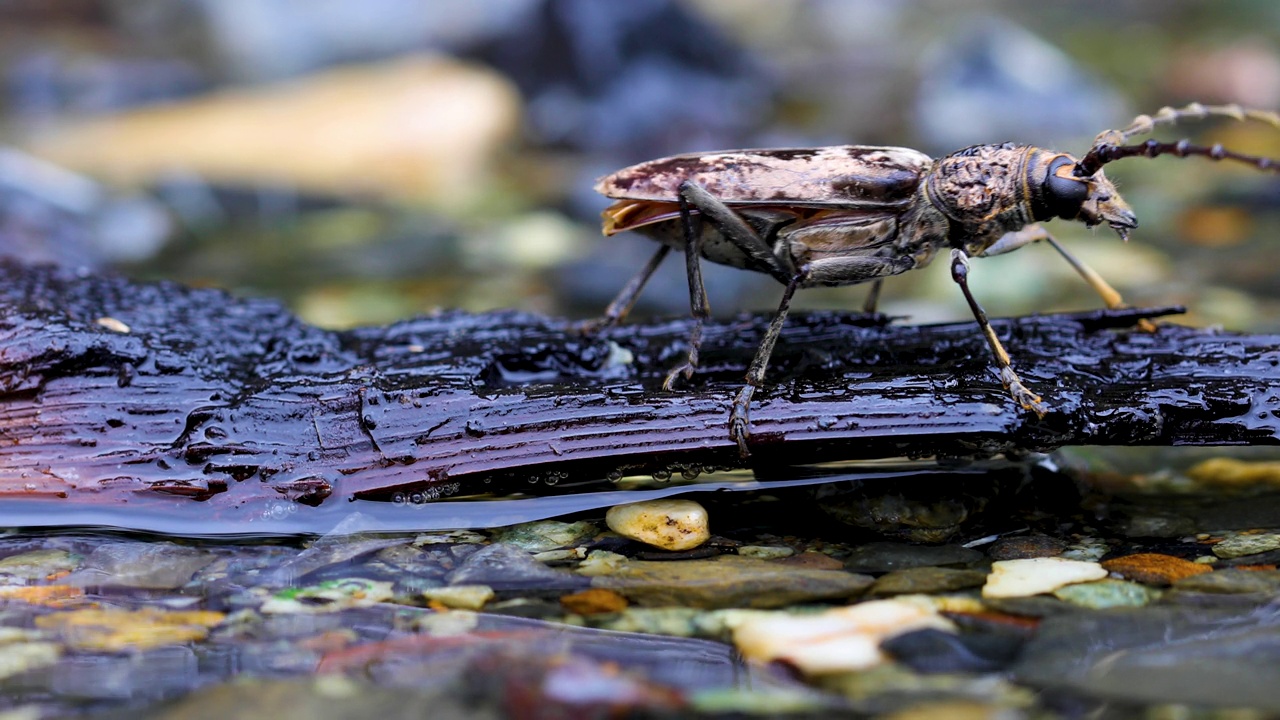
{"type": "Point", "coordinates": [368, 160]}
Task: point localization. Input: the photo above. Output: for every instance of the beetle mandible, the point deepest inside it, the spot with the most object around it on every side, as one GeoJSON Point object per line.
{"type": "Point", "coordinates": [850, 214]}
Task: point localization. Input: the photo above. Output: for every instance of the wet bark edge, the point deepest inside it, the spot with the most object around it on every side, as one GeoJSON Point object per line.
{"type": "Point", "coordinates": [113, 391]}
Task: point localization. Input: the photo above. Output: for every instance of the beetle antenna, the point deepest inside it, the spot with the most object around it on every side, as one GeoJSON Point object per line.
{"type": "Point", "coordinates": [1108, 142]}
{"type": "Point", "coordinates": [1102, 154]}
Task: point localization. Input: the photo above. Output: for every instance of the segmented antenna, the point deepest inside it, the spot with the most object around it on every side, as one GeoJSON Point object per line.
{"type": "Point", "coordinates": [1110, 145]}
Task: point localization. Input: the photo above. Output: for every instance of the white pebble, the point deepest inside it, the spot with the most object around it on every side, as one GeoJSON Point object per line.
{"type": "Point", "coordinates": [667, 524]}
{"type": "Point", "coordinates": [838, 640]}
{"type": "Point", "coordinates": [601, 562]}
{"type": "Point", "coordinates": [1034, 576]}
{"type": "Point", "coordinates": [461, 597]}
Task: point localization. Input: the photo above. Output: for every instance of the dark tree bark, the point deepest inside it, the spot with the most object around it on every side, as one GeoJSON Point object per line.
{"type": "Point", "coordinates": [152, 396]}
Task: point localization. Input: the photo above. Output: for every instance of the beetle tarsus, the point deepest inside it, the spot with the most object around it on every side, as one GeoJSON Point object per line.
{"type": "Point", "coordinates": [740, 420]}
{"type": "Point", "coordinates": [690, 365]}
{"type": "Point", "coordinates": [1024, 397]}
{"type": "Point", "coordinates": [1021, 394]}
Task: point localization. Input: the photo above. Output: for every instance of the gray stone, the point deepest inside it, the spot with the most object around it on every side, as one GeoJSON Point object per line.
{"type": "Point", "coordinates": [879, 557]}
{"type": "Point", "coordinates": [543, 535]}
{"type": "Point", "coordinates": [1107, 594]}
{"type": "Point", "coordinates": [728, 581]}
{"type": "Point", "coordinates": [1241, 545]}
{"type": "Point", "coordinates": [1159, 655]}
{"type": "Point", "coordinates": [1232, 581]}
{"type": "Point", "coordinates": [146, 565]}
{"type": "Point", "coordinates": [927, 580]}
{"type": "Point", "coordinates": [38, 564]}
{"type": "Point", "coordinates": [503, 566]}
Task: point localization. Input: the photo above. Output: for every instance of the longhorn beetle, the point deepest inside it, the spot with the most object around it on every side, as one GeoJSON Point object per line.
{"type": "Point", "coordinates": [850, 214]}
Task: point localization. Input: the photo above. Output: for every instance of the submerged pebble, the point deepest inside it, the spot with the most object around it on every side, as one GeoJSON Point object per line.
{"type": "Point", "coordinates": [727, 581]}
{"type": "Point", "coordinates": [601, 562]}
{"type": "Point", "coordinates": [545, 535]}
{"type": "Point", "coordinates": [936, 651]}
{"type": "Point", "coordinates": [461, 597]}
{"type": "Point", "coordinates": [1034, 576]}
{"type": "Point", "coordinates": [1107, 594]}
{"type": "Point", "coordinates": [667, 524]}
{"type": "Point", "coordinates": [837, 640]}
{"type": "Point", "coordinates": [1244, 544]}
{"type": "Point", "coordinates": [765, 552]}
{"type": "Point", "coordinates": [594, 601]}
{"type": "Point", "coordinates": [38, 564]}
{"type": "Point", "coordinates": [1088, 549]}
{"type": "Point", "coordinates": [927, 580]}
{"type": "Point", "coordinates": [888, 556]}
{"type": "Point", "coordinates": [1231, 581]}
{"type": "Point", "coordinates": [1154, 568]}
{"type": "Point", "coordinates": [503, 566]}
{"type": "Point", "coordinates": [1026, 546]}
{"type": "Point", "coordinates": [116, 630]}
{"type": "Point", "coordinates": [147, 565]}
{"type": "Point", "coordinates": [329, 596]}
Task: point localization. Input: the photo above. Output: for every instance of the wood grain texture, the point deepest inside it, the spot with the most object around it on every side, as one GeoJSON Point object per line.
{"type": "Point", "coordinates": [229, 403]}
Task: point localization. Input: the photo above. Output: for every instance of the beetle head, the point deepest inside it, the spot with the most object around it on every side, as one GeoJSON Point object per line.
{"type": "Point", "coordinates": [1092, 200]}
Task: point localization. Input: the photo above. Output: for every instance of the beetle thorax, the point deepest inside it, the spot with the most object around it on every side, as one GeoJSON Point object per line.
{"type": "Point", "coordinates": [983, 192]}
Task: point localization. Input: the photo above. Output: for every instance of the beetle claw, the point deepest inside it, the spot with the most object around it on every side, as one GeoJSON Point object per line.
{"type": "Point", "coordinates": [685, 368]}
{"type": "Point", "coordinates": [1027, 399]}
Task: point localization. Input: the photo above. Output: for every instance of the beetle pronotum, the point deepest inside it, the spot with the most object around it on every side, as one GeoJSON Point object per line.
{"type": "Point", "coordinates": [854, 213]}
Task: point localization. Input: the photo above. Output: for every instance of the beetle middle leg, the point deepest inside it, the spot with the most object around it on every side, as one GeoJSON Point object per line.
{"type": "Point", "coordinates": [872, 303]}
{"type": "Point", "coordinates": [1035, 233]}
{"type": "Point", "coordinates": [842, 270]}
{"type": "Point", "coordinates": [1027, 399]}
{"type": "Point", "coordinates": [739, 417]}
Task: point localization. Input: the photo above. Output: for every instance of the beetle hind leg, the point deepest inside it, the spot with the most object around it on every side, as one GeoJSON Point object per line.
{"type": "Point", "coordinates": [626, 299]}
{"type": "Point", "coordinates": [698, 303]}
{"type": "Point", "coordinates": [734, 229]}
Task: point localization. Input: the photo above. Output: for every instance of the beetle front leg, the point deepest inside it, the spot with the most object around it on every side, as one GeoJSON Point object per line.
{"type": "Point", "coordinates": [698, 303]}
{"type": "Point", "coordinates": [1027, 399]}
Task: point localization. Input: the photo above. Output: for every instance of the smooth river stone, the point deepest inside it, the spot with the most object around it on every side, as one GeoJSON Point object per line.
{"type": "Point", "coordinates": [1033, 576]}
{"type": "Point", "coordinates": [667, 524]}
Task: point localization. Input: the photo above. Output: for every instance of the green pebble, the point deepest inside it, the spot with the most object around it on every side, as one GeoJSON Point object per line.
{"type": "Point", "coordinates": [1102, 594]}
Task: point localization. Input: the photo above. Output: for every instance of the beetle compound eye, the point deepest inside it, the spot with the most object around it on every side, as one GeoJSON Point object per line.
{"type": "Point", "coordinates": [1064, 193]}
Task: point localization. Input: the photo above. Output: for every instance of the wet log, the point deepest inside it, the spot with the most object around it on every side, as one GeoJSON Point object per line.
{"type": "Point", "coordinates": [156, 395]}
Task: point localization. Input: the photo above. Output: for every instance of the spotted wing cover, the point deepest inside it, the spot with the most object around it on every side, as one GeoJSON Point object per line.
{"type": "Point", "coordinates": [851, 176]}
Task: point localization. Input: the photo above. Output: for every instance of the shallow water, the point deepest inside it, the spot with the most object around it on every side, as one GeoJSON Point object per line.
{"type": "Point", "coordinates": [370, 610]}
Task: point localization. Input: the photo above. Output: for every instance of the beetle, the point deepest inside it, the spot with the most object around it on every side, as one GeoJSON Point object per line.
{"type": "Point", "coordinates": [850, 214]}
